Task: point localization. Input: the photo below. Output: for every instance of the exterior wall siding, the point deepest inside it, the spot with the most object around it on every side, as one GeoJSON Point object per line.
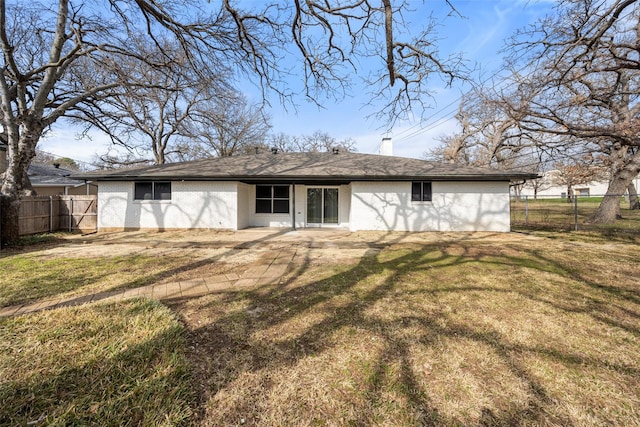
{"type": "Point", "coordinates": [192, 205]}
{"type": "Point", "coordinates": [344, 207]}
{"type": "Point", "coordinates": [455, 206]}
{"type": "Point", "coordinates": [243, 205]}
{"type": "Point", "coordinates": [301, 206]}
{"type": "Point", "coordinates": [266, 219]}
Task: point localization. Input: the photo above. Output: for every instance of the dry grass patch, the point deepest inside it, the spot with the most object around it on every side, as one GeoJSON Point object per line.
{"type": "Point", "coordinates": [107, 364]}
{"type": "Point", "coordinates": [29, 277]}
{"type": "Point", "coordinates": [67, 270]}
{"type": "Point", "coordinates": [467, 332]}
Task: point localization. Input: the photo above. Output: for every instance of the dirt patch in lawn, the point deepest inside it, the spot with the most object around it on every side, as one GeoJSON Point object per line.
{"type": "Point", "coordinates": [202, 243]}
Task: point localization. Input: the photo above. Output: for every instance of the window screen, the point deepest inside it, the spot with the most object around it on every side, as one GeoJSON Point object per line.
{"type": "Point", "coordinates": [272, 199]}
{"type": "Point", "coordinates": [421, 191]}
{"type": "Point", "coordinates": [144, 191]}
{"type": "Point", "coordinates": [152, 191]}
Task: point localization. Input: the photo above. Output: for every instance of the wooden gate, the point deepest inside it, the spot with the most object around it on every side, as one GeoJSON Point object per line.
{"type": "Point", "coordinates": [78, 213]}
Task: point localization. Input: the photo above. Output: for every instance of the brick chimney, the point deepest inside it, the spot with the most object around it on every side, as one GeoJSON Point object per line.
{"type": "Point", "coordinates": [386, 147]}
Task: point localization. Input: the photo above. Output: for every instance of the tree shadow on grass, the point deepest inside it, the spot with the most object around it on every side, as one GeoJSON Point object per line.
{"type": "Point", "coordinates": [55, 284]}
{"type": "Point", "coordinates": [50, 285]}
{"type": "Point", "coordinates": [604, 302]}
{"type": "Point", "coordinates": [273, 330]}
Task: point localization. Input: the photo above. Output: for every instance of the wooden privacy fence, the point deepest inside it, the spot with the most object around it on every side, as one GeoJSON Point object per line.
{"type": "Point", "coordinates": [40, 214]}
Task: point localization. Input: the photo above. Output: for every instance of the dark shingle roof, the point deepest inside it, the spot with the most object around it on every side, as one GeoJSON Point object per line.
{"type": "Point", "coordinates": [48, 175]}
{"type": "Point", "coordinates": [307, 167]}
{"type": "Point", "coordinates": [37, 169]}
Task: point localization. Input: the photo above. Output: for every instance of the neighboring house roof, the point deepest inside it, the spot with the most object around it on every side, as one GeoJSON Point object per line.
{"type": "Point", "coordinates": [307, 167]}
{"type": "Point", "coordinates": [50, 176]}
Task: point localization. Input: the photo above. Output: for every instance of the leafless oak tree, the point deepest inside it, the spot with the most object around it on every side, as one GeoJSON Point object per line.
{"type": "Point", "coordinates": [488, 137]}
{"type": "Point", "coordinates": [223, 126]}
{"type": "Point", "coordinates": [158, 106]}
{"type": "Point", "coordinates": [45, 48]}
{"type": "Point", "coordinates": [583, 87]}
{"type": "Point", "coordinates": [576, 171]}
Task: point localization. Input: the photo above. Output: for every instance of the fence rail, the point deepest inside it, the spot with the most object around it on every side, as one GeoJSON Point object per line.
{"type": "Point", "coordinates": [569, 214]}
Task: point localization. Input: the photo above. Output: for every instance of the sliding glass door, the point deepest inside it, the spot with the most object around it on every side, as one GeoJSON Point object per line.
{"type": "Point", "coordinates": [322, 206]}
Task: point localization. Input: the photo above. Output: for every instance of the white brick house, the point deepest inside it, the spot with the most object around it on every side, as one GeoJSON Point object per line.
{"type": "Point", "coordinates": [349, 190]}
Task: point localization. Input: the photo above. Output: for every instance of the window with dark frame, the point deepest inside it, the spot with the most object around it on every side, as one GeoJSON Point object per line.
{"type": "Point", "coordinates": [420, 191]}
{"type": "Point", "coordinates": [272, 199]}
{"type": "Point", "coordinates": [152, 191]}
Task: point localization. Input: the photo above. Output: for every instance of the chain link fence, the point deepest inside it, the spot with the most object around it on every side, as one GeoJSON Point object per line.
{"type": "Point", "coordinates": [561, 213]}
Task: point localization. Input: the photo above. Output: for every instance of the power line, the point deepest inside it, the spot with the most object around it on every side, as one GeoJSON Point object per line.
{"type": "Point", "coordinates": [499, 84]}
{"type": "Point", "coordinates": [79, 162]}
{"type": "Point", "coordinates": [448, 115]}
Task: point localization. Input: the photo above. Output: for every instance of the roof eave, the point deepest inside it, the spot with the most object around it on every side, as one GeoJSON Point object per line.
{"type": "Point", "coordinates": [313, 178]}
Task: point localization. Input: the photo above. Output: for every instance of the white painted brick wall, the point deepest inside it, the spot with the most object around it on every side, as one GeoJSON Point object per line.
{"type": "Point", "coordinates": [456, 206]}
{"type": "Point", "coordinates": [243, 205]}
{"type": "Point", "coordinates": [193, 205]}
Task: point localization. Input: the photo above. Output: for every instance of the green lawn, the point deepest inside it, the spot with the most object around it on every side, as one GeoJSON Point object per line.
{"type": "Point", "coordinates": [515, 329]}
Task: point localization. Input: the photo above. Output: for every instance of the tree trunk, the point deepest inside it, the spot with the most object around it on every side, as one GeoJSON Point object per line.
{"type": "Point", "coordinates": [10, 219]}
{"type": "Point", "coordinates": [16, 183]}
{"type": "Point", "coordinates": [634, 204]}
{"type": "Point", "coordinates": [609, 208]}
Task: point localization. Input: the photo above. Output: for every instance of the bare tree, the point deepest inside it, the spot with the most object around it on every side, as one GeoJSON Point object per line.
{"type": "Point", "coordinates": [155, 106]}
{"type": "Point", "coordinates": [44, 158]}
{"type": "Point", "coordinates": [39, 47]}
{"type": "Point", "coordinates": [583, 89]}
{"type": "Point", "coordinates": [576, 171]}
{"type": "Point", "coordinates": [320, 141]}
{"type": "Point", "coordinates": [537, 165]}
{"type": "Point", "coordinates": [223, 126]}
{"type": "Point", "coordinates": [48, 49]}
{"type": "Point", "coordinates": [114, 159]}
{"type": "Point", "coordinates": [488, 135]}
{"type": "Point", "coordinates": [317, 142]}
{"type": "Point", "coordinates": [634, 202]}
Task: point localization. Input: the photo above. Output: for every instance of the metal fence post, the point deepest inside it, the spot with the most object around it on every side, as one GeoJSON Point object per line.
{"type": "Point", "coordinates": [526, 210]}
{"type": "Point", "coordinates": [575, 211]}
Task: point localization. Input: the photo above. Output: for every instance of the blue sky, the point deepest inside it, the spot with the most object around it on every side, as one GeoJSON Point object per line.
{"type": "Point", "coordinates": [479, 36]}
